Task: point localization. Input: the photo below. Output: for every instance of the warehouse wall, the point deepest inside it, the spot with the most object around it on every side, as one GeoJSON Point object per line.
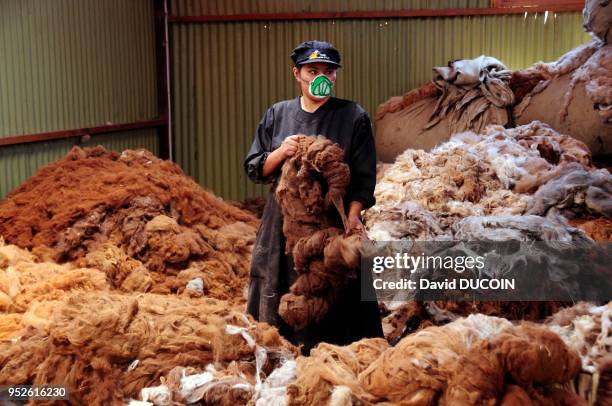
{"type": "Point", "coordinates": [220, 7]}
{"type": "Point", "coordinates": [68, 64]}
{"type": "Point", "coordinates": [225, 75]}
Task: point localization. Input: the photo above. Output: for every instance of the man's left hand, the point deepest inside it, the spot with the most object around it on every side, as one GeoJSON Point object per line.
{"type": "Point", "coordinates": [354, 223]}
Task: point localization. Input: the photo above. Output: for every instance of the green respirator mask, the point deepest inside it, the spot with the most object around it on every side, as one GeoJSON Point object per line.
{"type": "Point", "coordinates": [320, 87]}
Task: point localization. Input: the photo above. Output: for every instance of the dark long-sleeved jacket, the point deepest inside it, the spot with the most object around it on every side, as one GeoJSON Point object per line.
{"type": "Point", "coordinates": [341, 121]}
{"type": "Point", "coordinates": [347, 124]}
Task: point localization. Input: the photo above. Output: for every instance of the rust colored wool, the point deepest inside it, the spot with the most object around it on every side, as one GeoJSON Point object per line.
{"type": "Point", "coordinates": [310, 194]}
{"type": "Point", "coordinates": [105, 347]}
{"type": "Point", "coordinates": [93, 200]}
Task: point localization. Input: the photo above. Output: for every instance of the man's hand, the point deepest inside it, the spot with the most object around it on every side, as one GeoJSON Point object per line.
{"type": "Point", "coordinates": [354, 223]}
{"type": "Point", "coordinates": [289, 146]}
{"type": "Point", "coordinates": [276, 158]}
{"type": "Point", "coordinates": [354, 218]}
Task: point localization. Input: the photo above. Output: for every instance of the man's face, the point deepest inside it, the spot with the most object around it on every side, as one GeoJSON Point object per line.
{"type": "Point", "coordinates": [306, 73]}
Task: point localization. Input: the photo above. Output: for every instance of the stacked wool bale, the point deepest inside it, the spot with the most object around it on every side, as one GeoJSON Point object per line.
{"type": "Point", "coordinates": [310, 194]}
{"type": "Point", "coordinates": [471, 94]}
{"type": "Point", "coordinates": [468, 94]}
{"type": "Point", "coordinates": [475, 94]}
{"type": "Point", "coordinates": [581, 79]}
{"type": "Point", "coordinates": [139, 218]}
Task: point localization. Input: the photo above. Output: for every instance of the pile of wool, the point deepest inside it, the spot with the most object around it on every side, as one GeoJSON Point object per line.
{"type": "Point", "coordinates": [587, 328]}
{"type": "Point", "coordinates": [226, 387]}
{"type": "Point", "coordinates": [582, 79]}
{"type": "Point", "coordinates": [148, 208]}
{"type": "Point", "coordinates": [599, 229]}
{"type": "Point", "coordinates": [469, 361]}
{"type": "Point", "coordinates": [527, 156]}
{"type": "Point", "coordinates": [310, 194]}
{"type": "Point", "coordinates": [29, 289]}
{"type": "Point", "coordinates": [480, 187]}
{"type": "Point", "coordinates": [471, 94]}
{"type": "Point", "coordinates": [192, 386]}
{"type": "Point", "coordinates": [544, 262]}
{"type": "Point", "coordinates": [403, 220]}
{"type": "Point", "coordinates": [329, 374]}
{"type": "Point", "coordinates": [445, 312]}
{"type": "Point", "coordinates": [560, 263]}
{"type": "Point", "coordinates": [448, 182]}
{"type": "Point", "coordinates": [106, 347]}
{"type": "Point", "coordinates": [475, 94]}
{"type": "Point", "coordinates": [574, 193]}
{"type": "Point", "coordinates": [401, 318]}
{"type": "Point", "coordinates": [404, 314]}
{"type": "Point", "coordinates": [472, 361]}
{"type": "Point", "coordinates": [254, 205]}
{"type": "Point", "coordinates": [122, 271]}
{"type": "Point", "coordinates": [424, 193]}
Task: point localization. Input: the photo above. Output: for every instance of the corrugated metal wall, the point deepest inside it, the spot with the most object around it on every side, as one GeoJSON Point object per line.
{"type": "Point", "coordinates": [218, 7]}
{"type": "Point", "coordinates": [225, 75]}
{"type": "Point", "coordinates": [73, 63]}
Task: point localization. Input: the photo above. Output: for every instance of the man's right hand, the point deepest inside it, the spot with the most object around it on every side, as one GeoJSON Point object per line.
{"type": "Point", "coordinates": [289, 146]}
{"type": "Point", "coordinates": [275, 160]}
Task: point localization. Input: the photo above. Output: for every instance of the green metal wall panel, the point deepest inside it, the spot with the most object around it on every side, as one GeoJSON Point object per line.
{"type": "Point", "coordinates": [68, 64]}
{"type": "Point", "coordinates": [75, 63]}
{"type": "Point", "coordinates": [225, 75]}
{"type": "Point", "coordinates": [210, 7]}
{"type": "Point", "coordinates": [19, 162]}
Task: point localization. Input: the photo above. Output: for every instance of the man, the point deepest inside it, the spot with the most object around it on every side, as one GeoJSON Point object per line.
{"type": "Point", "coordinates": [315, 112]}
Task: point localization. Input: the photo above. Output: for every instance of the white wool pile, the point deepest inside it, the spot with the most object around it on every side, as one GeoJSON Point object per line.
{"type": "Point", "coordinates": [494, 173]}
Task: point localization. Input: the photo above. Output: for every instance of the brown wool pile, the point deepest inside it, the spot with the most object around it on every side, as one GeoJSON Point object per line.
{"type": "Point", "coordinates": [138, 218]}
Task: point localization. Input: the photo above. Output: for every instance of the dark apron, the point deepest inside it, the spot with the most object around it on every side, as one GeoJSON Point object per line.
{"type": "Point", "coordinates": [349, 318]}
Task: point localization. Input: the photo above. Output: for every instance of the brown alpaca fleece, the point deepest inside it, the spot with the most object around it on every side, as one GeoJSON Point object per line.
{"type": "Point", "coordinates": [310, 193]}
{"type": "Point", "coordinates": [467, 362]}
{"type": "Point", "coordinates": [93, 340]}
{"type": "Point", "coordinates": [80, 207]}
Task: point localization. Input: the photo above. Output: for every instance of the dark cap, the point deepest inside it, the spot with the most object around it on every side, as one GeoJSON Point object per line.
{"type": "Point", "coordinates": [315, 51]}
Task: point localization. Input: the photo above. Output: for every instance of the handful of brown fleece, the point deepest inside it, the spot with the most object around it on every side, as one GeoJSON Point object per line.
{"type": "Point", "coordinates": [310, 193]}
